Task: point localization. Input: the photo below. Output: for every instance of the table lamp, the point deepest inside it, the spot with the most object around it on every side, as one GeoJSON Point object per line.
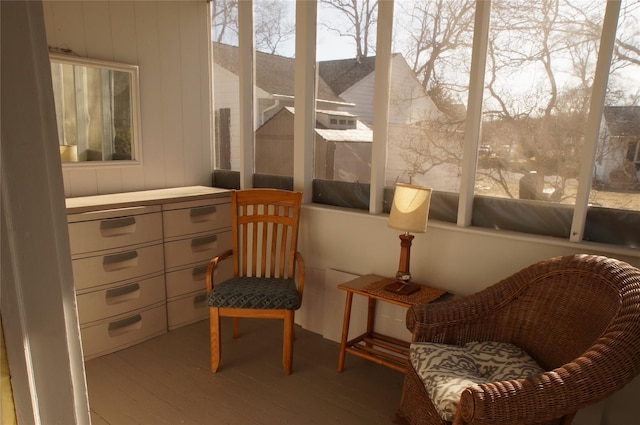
{"type": "Point", "coordinates": [409, 213]}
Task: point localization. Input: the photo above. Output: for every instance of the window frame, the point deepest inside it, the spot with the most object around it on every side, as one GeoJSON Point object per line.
{"type": "Point", "coordinates": [467, 215]}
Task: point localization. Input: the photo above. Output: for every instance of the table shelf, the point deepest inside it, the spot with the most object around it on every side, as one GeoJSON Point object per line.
{"type": "Point", "coordinates": [375, 347]}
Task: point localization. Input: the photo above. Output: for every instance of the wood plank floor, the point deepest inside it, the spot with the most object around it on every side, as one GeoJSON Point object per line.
{"type": "Point", "coordinates": [167, 381]}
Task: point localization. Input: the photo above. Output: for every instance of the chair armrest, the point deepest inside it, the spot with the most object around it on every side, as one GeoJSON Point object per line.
{"type": "Point", "coordinates": [213, 263]}
{"type": "Point", "coordinates": [300, 278]}
{"type": "Point", "coordinates": [450, 321]}
{"type": "Point", "coordinates": [549, 395]}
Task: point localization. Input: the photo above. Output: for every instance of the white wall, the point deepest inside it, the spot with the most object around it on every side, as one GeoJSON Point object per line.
{"type": "Point", "coordinates": [168, 41]}
{"type": "Point", "coordinates": [461, 261]}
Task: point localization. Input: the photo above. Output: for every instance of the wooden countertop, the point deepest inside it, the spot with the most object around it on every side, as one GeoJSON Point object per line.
{"type": "Point", "coordinates": [144, 197]}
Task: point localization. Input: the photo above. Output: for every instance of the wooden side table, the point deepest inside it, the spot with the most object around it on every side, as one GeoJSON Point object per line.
{"type": "Point", "coordinates": [381, 349]}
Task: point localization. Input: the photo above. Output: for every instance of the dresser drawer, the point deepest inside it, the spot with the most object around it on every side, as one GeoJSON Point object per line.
{"type": "Point", "coordinates": [113, 232]}
{"type": "Point", "coordinates": [121, 299]}
{"type": "Point", "coordinates": [113, 267]}
{"type": "Point", "coordinates": [191, 279]}
{"type": "Point", "coordinates": [197, 249]}
{"type": "Point", "coordinates": [123, 331]}
{"type": "Point", "coordinates": [185, 310]}
{"type": "Point", "coordinates": [187, 218]}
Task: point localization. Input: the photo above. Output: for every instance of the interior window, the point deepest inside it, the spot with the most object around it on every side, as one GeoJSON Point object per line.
{"type": "Point", "coordinates": [96, 106]}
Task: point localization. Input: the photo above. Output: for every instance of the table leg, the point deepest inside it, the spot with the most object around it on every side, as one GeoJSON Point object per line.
{"type": "Point", "coordinates": [345, 330]}
{"type": "Point", "coordinates": [371, 314]}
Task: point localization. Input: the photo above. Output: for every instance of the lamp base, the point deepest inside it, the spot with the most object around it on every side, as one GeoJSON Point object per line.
{"type": "Point", "coordinates": [402, 288]}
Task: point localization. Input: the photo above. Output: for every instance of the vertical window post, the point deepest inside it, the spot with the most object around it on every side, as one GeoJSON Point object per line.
{"type": "Point", "coordinates": [247, 77]}
{"type": "Point", "coordinates": [305, 97]}
{"type": "Point", "coordinates": [472, 129]}
{"type": "Point", "coordinates": [596, 108]}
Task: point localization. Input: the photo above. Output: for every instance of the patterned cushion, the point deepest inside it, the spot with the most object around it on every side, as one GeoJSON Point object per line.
{"type": "Point", "coordinates": [446, 370]}
{"type": "Point", "coordinates": [255, 292]}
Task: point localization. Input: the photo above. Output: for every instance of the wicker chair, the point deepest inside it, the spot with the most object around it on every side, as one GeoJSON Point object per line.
{"type": "Point", "coordinates": [577, 316]}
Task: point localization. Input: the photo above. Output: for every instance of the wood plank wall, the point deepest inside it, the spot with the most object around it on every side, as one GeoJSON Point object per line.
{"type": "Point", "coordinates": [168, 40]}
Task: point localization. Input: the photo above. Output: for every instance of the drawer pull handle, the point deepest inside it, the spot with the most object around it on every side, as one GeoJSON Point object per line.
{"type": "Point", "coordinates": [123, 294]}
{"type": "Point", "coordinates": [118, 226]}
{"type": "Point", "coordinates": [199, 273]}
{"type": "Point", "coordinates": [200, 300]}
{"type": "Point", "coordinates": [203, 243]}
{"type": "Point", "coordinates": [123, 326]}
{"type": "Point", "coordinates": [120, 261]}
{"type": "Point", "coordinates": [200, 214]}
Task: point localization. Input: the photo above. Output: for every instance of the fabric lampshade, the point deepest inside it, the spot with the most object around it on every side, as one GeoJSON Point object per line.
{"type": "Point", "coordinates": [410, 208]}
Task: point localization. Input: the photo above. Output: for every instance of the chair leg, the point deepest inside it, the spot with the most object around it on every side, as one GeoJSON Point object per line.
{"type": "Point", "coordinates": [287, 343]}
{"type": "Point", "coordinates": [214, 336]}
{"type": "Point", "coordinates": [236, 328]}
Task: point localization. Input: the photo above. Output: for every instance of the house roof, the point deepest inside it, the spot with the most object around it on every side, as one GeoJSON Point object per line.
{"type": "Point", "coordinates": [349, 135]}
{"type": "Point", "coordinates": [274, 74]}
{"type": "Point", "coordinates": [623, 121]}
{"type": "Point", "coordinates": [361, 133]}
{"type": "Point", "coordinates": [344, 73]}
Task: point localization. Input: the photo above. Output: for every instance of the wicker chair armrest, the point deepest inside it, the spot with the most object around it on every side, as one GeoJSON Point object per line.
{"type": "Point", "coordinates": [430, 321]}
{"type": "Point", "coordinates": [213, 263]}
{"type": "Point", "coordinates": [547, 396]}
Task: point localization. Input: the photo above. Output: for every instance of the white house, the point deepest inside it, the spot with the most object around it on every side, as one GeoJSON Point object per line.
{"type": "Point", "coordinates": [618, 152]}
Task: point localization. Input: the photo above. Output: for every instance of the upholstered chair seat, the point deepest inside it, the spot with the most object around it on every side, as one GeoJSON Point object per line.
{"type": "Point", "coordinates": [255, 293]}
{"type": "Point", "coordinates": [446, 370]}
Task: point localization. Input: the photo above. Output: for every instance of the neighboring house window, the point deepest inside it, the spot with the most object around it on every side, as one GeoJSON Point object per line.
{"type": "Point", "coordinates": [633, 154]}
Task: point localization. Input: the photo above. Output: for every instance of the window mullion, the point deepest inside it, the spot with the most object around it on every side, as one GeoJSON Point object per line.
{"type": "Point", "coordinates": [305, 97]}
{"type": "Point", "coordinates": [592, 129]}
{"type": "Point", "coordinates": [472, 130]}
{"type": "Point", "coordinates": [381, 105]}
{"type": "Point", "coordinates": [246, 75]}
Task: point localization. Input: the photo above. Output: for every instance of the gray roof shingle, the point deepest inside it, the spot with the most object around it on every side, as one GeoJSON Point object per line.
{"type": "Point", "coordinates": [274, 74]}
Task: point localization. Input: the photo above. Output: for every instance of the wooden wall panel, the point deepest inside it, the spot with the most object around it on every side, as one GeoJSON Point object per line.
{"type": "Point", "coordinates": [151, 88]}
{"type": "Point", "coordinates": [207, 126]}
{"type": "Point", "coordinates": [97, 20]}
{"type": "Point", "coordinates": [123, 22]}
{"type": "Point", "coordinates": [168, 40]}
{"type": "Point", "coordinates": [191, 92]}
{"type": "Point", "coordinates": [170, 70]}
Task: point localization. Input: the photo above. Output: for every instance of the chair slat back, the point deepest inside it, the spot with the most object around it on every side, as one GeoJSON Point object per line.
{"type": "Point", "coordinates": [265, 232]}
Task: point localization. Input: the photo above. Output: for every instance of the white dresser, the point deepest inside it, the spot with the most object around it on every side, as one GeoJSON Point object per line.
{"type": "Point", "coordinates": [194, 232]}
{"type": "Point", "coordinates": [139, 261]}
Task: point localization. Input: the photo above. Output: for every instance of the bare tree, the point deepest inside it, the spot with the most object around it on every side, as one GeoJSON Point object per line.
{"type": "Point", "coordinates": [224, 21]}
{"type": "Point", "coordinates": [273, 25]}
{"type": "Point", "coordinates": [435, 30]}
{"type": "Point", "coordinates": [361, 16]}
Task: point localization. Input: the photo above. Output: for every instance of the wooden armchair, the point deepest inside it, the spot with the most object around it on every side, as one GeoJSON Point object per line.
{"type": "Point", "coordinates": [268, 272]}
{"type": "Point", "coordinates": [578, 317]}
